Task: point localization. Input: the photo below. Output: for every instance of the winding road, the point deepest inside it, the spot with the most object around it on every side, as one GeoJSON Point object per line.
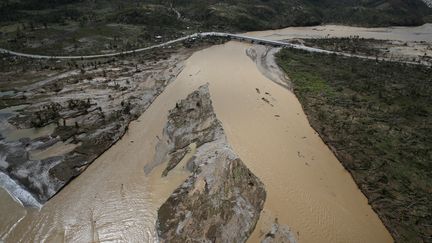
{"type": "Point", "coordinates": [238, 37]}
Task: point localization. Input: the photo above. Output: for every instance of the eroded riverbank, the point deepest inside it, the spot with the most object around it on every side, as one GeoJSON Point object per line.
{"type": "Point", "coordinates": [308, 189]}
{"type": "Point", "coordinates": [355, 115]}
{"type": "Point", "coordinates": [57, 123]}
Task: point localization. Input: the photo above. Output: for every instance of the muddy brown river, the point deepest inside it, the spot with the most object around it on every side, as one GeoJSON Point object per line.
{"type": "Point", "coordinates": [114, 200]}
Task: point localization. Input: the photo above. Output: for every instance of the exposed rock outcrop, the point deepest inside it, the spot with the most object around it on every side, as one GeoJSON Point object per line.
{"type": "Point", "coordinates": [221, 201]}
{"type": "Point", "coordinates": [279, 234]}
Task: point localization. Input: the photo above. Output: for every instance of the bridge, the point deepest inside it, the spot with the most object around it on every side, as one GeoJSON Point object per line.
{"type": "Point", "coordinates": [228, 36]}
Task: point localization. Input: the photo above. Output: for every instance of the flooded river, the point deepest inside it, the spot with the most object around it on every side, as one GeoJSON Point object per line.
{"type": "Point", "coordinates": [114, 200]}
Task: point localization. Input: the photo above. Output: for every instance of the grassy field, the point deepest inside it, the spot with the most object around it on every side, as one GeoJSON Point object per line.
{"type": "Point", "coordinates": [377, 118]}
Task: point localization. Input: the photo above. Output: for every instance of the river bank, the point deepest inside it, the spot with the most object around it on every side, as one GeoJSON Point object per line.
{"type": "Point", "coordinates": [56, 125]}
{"type": "Point", "coordinates": [308, 189]}
{"type": "Point", "coordinates": [376, 120]}
{"type": "Point", "coordinates": [405, 44]}
{"type": "Point", "coordinates": [300, 170]}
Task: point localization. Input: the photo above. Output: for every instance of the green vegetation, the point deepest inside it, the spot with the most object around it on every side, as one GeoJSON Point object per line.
{"type": "Point", "coordinates": [377, 118]}
{"type": "Point", "coordinates": [82, 27]}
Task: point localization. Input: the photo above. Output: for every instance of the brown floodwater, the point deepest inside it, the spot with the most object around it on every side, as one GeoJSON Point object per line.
{"type": "Point", "coordinates": [307, 187]}
{"type": "Point", "coordinates": [114, 200]}
{"type": "Point", "coordinates": [56, 149]}
{"type": "Point", "coordinates": [11, 213]}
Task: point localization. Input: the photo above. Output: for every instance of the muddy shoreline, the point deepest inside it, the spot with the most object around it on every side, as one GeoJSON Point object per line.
{"type": "Point", "coordinates": [334, 113]}
{"type": "Point", "coordinates": [108, 194]}
{"type": "Point", "coordinates": [74, 105]}
{"type": "Point", "coordinates": [263, 122]}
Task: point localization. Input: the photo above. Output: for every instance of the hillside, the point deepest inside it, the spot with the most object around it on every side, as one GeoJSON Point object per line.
{"type": "Point", "coordinates": [242, 14]}
{"type": "Point", "coordinates": [81, 27]}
